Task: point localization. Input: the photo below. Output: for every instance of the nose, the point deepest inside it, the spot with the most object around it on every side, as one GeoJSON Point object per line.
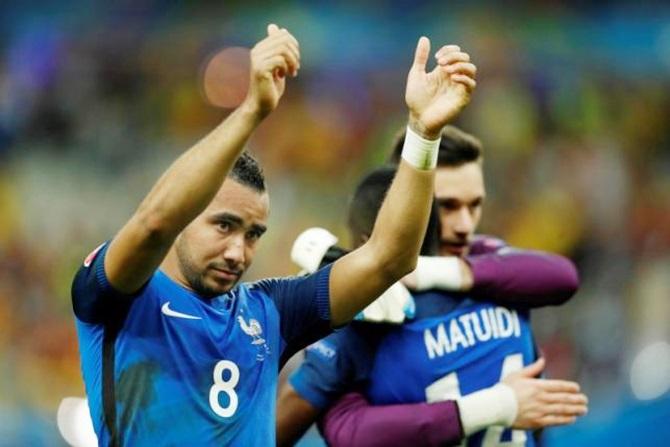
{"type": "Point", "coordinates": [463, 222]}
{"type": "Point", "coordinates": [234, 250]}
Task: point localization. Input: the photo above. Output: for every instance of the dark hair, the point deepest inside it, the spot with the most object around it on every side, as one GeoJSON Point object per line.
{"type": "Point", "coordinates": [367, 200]}
{"type": "Point", "coordinates": [456, 148]}
{"type": "Point", "coordinates": [248, 172]}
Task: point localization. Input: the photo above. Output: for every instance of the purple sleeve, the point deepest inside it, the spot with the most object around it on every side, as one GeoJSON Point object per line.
{"type": "Point", "coordinates": [523, 278]}
{"type": "Point", "coordinates": [353, 421]}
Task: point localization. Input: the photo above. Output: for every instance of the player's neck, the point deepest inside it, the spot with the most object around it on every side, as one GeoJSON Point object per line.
{"type": "Point", "coordinates": [170, 266]}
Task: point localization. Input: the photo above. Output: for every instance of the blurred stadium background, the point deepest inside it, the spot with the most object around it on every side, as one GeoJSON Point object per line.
{"type": "Point", "coordinates": [572, 106]}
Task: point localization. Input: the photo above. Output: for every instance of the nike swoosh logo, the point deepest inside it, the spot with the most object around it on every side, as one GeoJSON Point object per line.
{"type": "Point", "coordinates": [173, 313]}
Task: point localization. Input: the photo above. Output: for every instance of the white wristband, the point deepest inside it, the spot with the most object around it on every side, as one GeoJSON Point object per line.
{"type": "Point", "coordinates": [491, 406]}
{"type": "Point", "coordinates": [419, 152]}
{"type": "Point", "coordinates": [442, 273]}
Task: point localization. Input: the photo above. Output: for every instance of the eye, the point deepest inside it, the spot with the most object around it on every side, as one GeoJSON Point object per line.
{"type": "Point", "coordinates": [225, 226]}
{"type": "Point", "coordinates": [475, 205]}
{"type": "Point", "coordinates": [253, 236]}
{"type": "Point", "coordinates": [449, 205]}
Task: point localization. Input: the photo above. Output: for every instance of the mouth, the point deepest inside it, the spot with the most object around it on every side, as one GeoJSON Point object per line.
{"type": "Point", "coordinates": [226, 275]}
{"type": "Point", "coordinates": [455, 248]}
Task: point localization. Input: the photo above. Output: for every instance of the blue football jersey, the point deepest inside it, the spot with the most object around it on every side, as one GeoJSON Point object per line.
{"type": "Point", "coordinates": [454, 347]}
{"type": "Point", "coordinates": [445, 357]}
{"type": "Point", "coordinates": [167, 367]}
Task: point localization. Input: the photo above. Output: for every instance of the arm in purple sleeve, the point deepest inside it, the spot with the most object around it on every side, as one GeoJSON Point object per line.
{"type": "Point", "coordinates": [523, 278]}
{"type": "Point", "coordinates": [353, 421]}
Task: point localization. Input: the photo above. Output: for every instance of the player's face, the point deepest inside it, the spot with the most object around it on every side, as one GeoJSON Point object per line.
{"type": "Point", "coordinates": [218, 246]}
{"type": "Point", "coordinates": [459, 192]}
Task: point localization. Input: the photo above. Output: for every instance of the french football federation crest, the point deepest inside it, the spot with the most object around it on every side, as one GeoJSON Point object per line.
{"type": "Point", "coordinates": [253, 329]}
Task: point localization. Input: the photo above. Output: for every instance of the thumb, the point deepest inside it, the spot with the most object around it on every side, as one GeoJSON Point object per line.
{"type": "Point", "coordinates": [534, 369]}
{"type": "Point", "coordinates": [421, 53]}
{"type": "Point", "coordinates": [272, 28]}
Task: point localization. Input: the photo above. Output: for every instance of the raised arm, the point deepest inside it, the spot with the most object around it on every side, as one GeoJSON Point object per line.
{"type": "Point", "coordinates": [190, 183]}
{"type": "Point", "coordinates": [433, 99]}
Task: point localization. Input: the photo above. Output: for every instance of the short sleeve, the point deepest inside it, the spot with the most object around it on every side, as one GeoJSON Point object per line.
{"type": "Point", "coordinates": [94, 300]}
{"type": "Point", "coordinates": [329, 370]}
{"type": "Point", "coordinates": [303, 303]}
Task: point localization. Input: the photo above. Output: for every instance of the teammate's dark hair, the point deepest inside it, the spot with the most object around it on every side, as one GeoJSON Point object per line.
{"type": "Point", "coordinates": [456, 147]}
{"type": "Point", "coordinates": [248, 172]}
{"type": "Point", "coordinates": [367, 200]}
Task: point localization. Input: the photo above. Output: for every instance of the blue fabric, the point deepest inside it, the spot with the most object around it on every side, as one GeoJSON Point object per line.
{"type": "Point", "coordinates": [452, 348]}
{"type": "Point", "coordinates": [190, 371]}
{"type": "Point", "coordinates": [338, 363]}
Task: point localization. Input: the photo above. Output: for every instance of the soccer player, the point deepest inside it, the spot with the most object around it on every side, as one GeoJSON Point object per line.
{"type": "Point", "coordinates": [173, 350]}
{"type": "Point", "coordinates": [465, 350]}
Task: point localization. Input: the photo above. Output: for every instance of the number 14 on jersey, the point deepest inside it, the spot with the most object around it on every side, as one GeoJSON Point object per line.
{"type": "Point", "coordinates": [448, 388]}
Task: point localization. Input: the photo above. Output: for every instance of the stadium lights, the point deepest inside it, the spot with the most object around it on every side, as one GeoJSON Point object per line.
{"type": "Point", "coordinates": [74, 422]}
{"type": "Point", "coordinates": [650, 371]}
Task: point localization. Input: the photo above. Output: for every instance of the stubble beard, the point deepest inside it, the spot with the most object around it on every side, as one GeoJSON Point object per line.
{"type": "Point", "coordinates": [194, 276]}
